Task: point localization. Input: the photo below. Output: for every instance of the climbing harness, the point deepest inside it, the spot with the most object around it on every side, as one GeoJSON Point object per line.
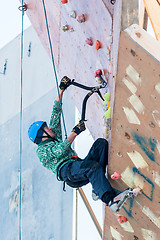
{"type": "Point", "coordinates": [92, 90]}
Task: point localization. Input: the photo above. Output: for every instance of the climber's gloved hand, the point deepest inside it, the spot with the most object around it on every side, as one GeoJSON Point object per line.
{"type": "Point", "coordinates": [65, 82]}
{"type": "Point", "coordinates": [80, 127]}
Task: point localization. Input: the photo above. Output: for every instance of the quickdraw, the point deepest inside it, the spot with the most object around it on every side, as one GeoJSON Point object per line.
{"type": "Point", "coordinates": [92, 90]}
{"type": "Point", "coordinates": [23, 8]}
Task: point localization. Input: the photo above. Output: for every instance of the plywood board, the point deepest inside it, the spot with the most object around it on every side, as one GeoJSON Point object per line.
{"type": "Point", "coordinates": [135, 142]}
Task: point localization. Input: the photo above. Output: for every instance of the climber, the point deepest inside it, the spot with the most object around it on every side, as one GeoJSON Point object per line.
{"type": "Point", "coordinates": [58, 156]}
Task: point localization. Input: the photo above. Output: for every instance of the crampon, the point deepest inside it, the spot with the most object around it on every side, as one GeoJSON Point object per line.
{"type": "Point", "coordinates": [118, 201]}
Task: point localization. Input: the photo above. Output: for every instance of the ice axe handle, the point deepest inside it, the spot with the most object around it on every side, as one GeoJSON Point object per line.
{"type": "Point", "coordinates": [84, 106]}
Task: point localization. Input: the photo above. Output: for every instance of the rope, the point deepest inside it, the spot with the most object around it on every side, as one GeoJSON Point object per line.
{"type": "Point", "coordinates": [20, 140]}
{"type": "Point", "coordinates": [54, 68]}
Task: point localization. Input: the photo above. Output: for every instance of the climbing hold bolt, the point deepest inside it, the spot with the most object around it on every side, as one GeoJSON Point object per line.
{"type": "Point", "coordinates": [122, 219]}
{"type": "Point", "coordinates": [64, 1]}
{"type": "Point", "coordinates": [89, 41]}
{"type": "Point", "coordinates": [152, 125]}
{"type": "Point", "coordinates": [127, 135]}
{"type": "Point", "coordinates": [81, 18]}
{"type": "Point", "coordinates": [115, 175]}
{"type": "Point", "coordinates": [135, 237]}
{"type": "Point", "coordinates": [72, 29]}
{"type": "Point", "coordinates": [97, 44]}
{"type": "Point", "coordinates": [133, 52]}
{"type": "Point", "coordinates": [119, 154]}
{"type": "Point", "coordinates": [65, 28]}
{"type": "Point", "coordinates": [138, 34]}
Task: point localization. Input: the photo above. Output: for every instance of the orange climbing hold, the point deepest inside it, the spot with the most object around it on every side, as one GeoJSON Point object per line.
{"type": "Point", "coordinates": [97, 44]}
{"type": "Point", "coordinates": [115, 175]}
{"type": "Point", "coordinates": [122, 219]}
{"type": "Point", "coordinates": [64, 1]}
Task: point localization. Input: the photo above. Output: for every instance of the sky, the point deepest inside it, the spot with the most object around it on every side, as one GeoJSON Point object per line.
{"type": "Point", "coordinates": [10, 21]}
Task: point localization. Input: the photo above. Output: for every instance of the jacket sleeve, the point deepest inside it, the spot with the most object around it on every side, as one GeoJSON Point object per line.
{"type": "Point", "coordinates": [50, 155]}
{"type": "Point", "coordinates": [55, 121]}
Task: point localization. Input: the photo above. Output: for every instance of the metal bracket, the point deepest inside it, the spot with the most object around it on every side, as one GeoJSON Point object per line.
{"type": "Point", "coordinates": [4, 68]}
{"type": "Point", "coordinates": [23, 8]}
{"type": "Point", "coordinates": [29, 49]}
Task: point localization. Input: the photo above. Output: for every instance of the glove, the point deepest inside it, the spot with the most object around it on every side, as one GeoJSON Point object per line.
{"type": "Point", "coordinates": [80, 127]}
{"type": "Point", "coordinates": [65, 82]}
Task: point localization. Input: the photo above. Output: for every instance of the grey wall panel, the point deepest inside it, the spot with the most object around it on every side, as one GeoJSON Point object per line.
{"type": "Point", "coordinates": [46, 209]}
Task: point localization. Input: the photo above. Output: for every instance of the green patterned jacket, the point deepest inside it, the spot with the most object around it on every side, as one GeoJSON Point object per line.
{"type": "Point", "coordinates": [53, 153]}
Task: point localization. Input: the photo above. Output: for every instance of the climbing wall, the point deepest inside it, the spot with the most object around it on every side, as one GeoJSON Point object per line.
{"type": "Point", "coordinates": [135, 145]}
{"type": "Point", "coordinates": [72, 26]}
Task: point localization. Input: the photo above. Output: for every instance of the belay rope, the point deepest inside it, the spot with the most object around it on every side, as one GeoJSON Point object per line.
{"type": "Point", "coordinates": [53, 63]}
{"type": "Point", "coordinates": [20, 138]}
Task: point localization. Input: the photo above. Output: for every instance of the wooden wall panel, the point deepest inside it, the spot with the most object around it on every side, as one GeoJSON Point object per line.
{"type": "Point", "coordinates": [135, 143]}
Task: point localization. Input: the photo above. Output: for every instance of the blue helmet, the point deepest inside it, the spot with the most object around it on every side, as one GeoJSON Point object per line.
{"type": "Point", "coordinates": [36, 130]}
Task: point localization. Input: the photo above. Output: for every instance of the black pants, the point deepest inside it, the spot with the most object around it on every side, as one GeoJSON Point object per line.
{"type": "Point", "coordinates": [91, 169]}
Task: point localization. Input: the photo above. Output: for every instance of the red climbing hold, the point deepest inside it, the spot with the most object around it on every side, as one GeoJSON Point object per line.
{"type": "Point", "coordinates": [81, 18]}
{"type": "Point", "coordinates": [89, 41]}
{"type": "Point", "coordinates": [97, 45]}
{"type": "Point", "coordinates": [122, 219]}
{"type": "Point", "coordinates": [115, 175]}
{"type": "Point", "coordinates": [98, 73]}
{"type": "Point", "coordinates": [64, 1]}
